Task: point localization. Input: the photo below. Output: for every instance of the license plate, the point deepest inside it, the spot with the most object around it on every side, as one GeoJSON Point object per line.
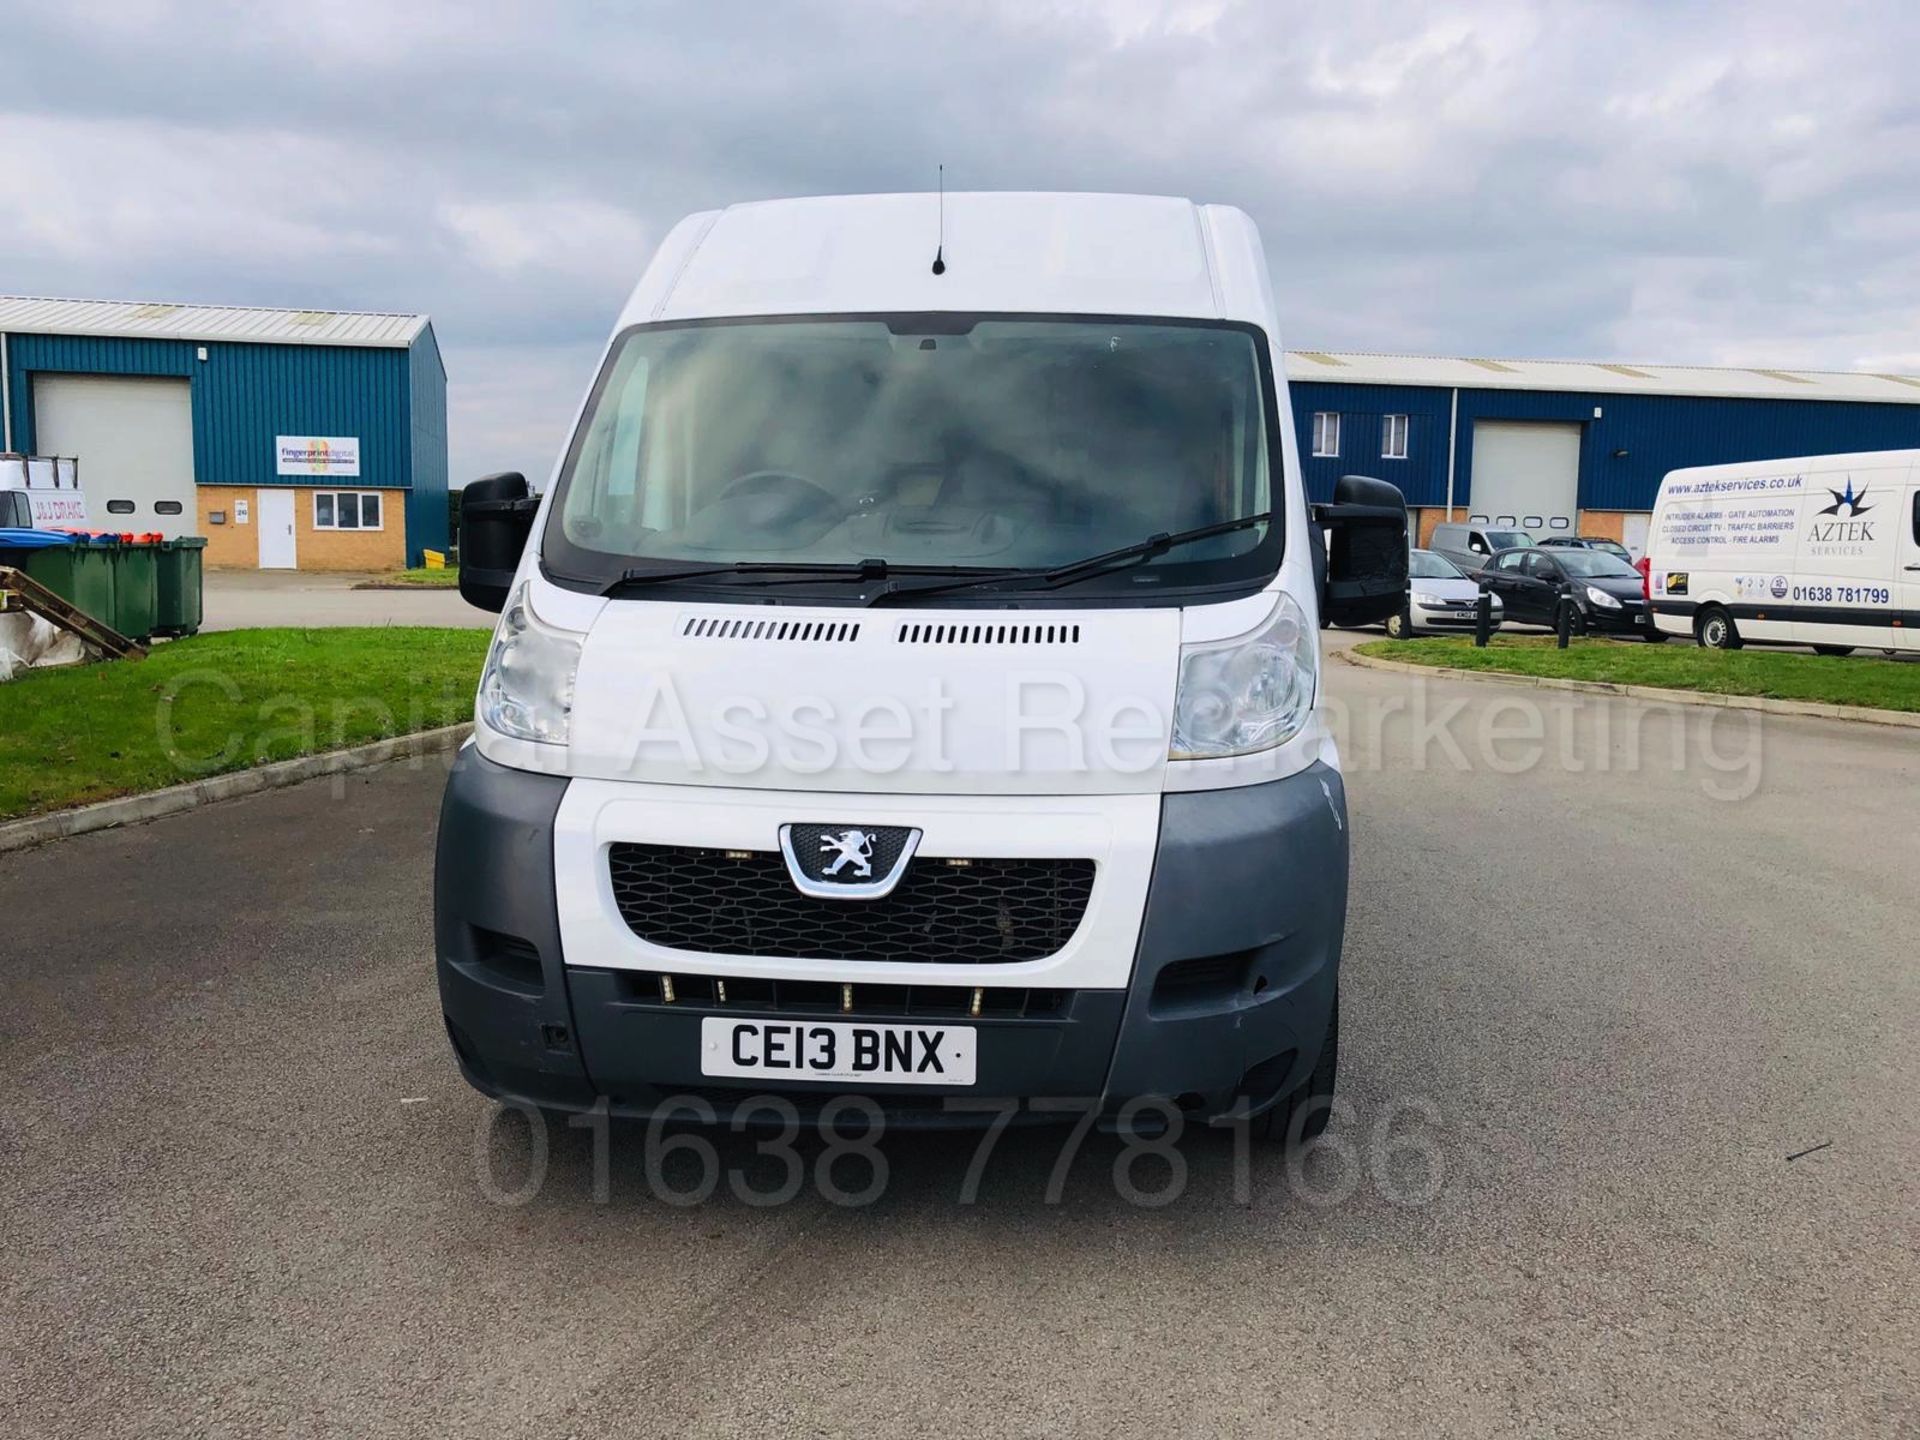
{"type": "Point", "coordinates": [835, 1052]}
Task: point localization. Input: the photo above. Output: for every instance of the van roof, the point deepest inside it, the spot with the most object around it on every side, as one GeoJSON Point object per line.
{"type": "Point", "coordinates": [1032, 253]}
{"type": "Point", "coordinates": [1802, 464]}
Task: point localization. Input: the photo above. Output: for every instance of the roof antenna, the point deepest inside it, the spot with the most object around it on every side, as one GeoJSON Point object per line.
{"type": "Point", "coordinates": [939, 249]}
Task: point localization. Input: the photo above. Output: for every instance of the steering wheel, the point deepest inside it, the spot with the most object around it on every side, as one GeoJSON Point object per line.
{"type": "Point", "coordinates": [803, 497]}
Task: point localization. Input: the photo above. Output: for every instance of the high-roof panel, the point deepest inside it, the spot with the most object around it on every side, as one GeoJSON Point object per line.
{"type": "Point", "coordinates": [160, 320]}
{"type": "Point", "coordinates": [1610, 376]}
{"type": "Point", "coordinates": [1031, 252]}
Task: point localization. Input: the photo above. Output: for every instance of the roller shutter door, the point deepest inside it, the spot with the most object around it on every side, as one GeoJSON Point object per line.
{"type": "Point", "coordinates": [134, 440]}
{"type": "Point", "coordinates": [1526, 476]}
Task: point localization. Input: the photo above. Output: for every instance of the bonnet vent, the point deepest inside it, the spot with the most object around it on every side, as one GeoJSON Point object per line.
{"type": "Point", "coordinates": [807, 632]}
{"type": "Point", "coordinates": [921, 633]}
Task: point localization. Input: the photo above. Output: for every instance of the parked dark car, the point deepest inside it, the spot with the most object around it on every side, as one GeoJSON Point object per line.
{"type": "Point", "coordinates": [1534, 584]}
{"type": "Point", "coordinates": [1588, 542]}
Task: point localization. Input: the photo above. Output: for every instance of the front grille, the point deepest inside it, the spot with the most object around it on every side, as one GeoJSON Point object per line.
{"type": "Point", "coordinates": [972, 912]}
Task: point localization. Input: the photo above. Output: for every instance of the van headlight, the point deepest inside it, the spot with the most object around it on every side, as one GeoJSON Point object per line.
{"type": "Point", "coordinates": [1249, 693]}
{"type": "Point", "coordinates": [526, 691]}
{"type": "Point", "coordinates": [1602, 598]}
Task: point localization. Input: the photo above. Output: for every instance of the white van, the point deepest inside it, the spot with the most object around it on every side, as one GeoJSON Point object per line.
{"type": "Point", "coordinates": [1823, 550]}
{"type": "Point", "coordinates": [909, 686]}
{"type": "Point", "coordinates": [41, 492]}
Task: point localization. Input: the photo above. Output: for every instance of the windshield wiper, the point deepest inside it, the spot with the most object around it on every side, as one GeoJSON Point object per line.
{"type": "Point", "coordinates": [637, 578]}
{"type": "Point", "coordinates": [1077, 570]}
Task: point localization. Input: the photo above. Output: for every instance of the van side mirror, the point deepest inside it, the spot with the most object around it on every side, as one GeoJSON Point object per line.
{"type": "Point", "coordinates": [1367, 555]}
{"type": "Point", "coordinates": [496, 516]}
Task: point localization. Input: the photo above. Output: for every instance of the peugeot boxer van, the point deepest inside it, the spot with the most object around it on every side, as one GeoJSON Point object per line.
{"type": "Point", "coordinates": [908, 685]}
{"type": "Point", "coordinates": [1823, 550]}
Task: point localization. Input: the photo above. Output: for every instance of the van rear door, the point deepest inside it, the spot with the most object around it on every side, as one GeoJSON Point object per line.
{"type": "Point", "coordinates": [1844, 590]}
{"type": "Point", "coordinates": [1906, 575]}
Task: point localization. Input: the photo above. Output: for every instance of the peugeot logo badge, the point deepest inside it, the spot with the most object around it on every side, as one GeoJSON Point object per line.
{"type": "Point", "coordinates": [847, 862]}
{"type": "Point", "coordinates": [849, 847]}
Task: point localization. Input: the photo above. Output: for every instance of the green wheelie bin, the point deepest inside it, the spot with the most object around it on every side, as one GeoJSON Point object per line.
{"type": "Point", "coordinates": [136, 588]}
{"type": "Point", "coordinates": [179, 572]}
{"type": "Point", "coordinates": [80, 574]}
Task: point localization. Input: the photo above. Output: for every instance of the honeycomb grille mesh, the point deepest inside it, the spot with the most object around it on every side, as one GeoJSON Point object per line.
{"type": "Point", "coordinates": [983, 912]}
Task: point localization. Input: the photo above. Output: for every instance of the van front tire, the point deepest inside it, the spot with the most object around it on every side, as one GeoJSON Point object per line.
{"type": "Point", "coordinates": [1312, 1103]}
{"type": "Point", "coordinates": [1715, 630]}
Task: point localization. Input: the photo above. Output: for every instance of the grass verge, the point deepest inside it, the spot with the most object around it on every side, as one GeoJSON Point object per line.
{"type": "Point", "coordinates": [1858, 679]}
{"type": "Point", "coordinates": [213, 703]}
{"type": "Point", "coordinates": [419, 578]}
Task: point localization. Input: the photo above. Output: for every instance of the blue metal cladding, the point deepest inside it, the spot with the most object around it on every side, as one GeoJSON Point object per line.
{"type": "Point", "coordinates": [427, 423]}
{"type": "Point", "coordinates": [246, 395]}
{"type": "Point", "coordinates": [1658, 433]}
{"type": "Point", "coordinates": [1422, 476]}
{"type": "Point", "coordinates": [1664, 433]}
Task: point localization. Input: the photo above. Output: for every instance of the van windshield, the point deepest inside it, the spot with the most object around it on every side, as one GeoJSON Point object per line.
{"type": "Point", "coordinates": [938, 443]}
{"type": "Point", "coordinates": [1508, 539]}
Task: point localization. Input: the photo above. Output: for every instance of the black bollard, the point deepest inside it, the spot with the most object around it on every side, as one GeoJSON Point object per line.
{"type": "Point", "coordinates": [1563, 626]}
{"type": "Point", "coordinates": [1483, 620]}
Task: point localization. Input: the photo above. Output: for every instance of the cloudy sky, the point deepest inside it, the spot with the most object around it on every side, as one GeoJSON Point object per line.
{"type": "Point", "coordinates": [1663, 181]}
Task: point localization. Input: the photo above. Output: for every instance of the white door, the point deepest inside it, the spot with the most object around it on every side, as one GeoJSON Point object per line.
{"type": "Point", "coordinates": [133, 437]}
{"type": "Point", "coordinates": [273, 519]}
{"type": "Point", "coordinates": [1633, 533]}
{"type": "Point", "coordinates": [1526, 476]}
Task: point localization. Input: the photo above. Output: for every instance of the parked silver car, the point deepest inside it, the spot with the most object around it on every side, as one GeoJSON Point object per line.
{"type": "Point", "coordinates": [1441, 598]}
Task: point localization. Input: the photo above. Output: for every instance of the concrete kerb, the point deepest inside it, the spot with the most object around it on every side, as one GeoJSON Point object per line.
{"type": "Point", "coordinates": [1863, 714]}
{"type": "Point", "coordinates": [153, 804]}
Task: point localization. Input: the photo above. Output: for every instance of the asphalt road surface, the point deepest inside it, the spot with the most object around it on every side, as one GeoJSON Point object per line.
{"type": "Point", "coordinates": [244, 599]}
{"type": "Point", "coordinates": [1591, 1014]}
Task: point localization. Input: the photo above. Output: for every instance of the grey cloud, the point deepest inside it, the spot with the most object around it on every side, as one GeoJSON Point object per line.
{"type": "Point", "coordinates": [1704, 182]}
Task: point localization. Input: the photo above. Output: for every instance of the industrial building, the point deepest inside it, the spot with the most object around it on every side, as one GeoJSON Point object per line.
{"type": "Point", "coordinates": [1569, 447]}
{"type": "Point", "coordinates": [290, 439]}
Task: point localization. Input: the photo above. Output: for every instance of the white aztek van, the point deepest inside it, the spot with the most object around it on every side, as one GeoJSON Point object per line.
{"type": "Point", "coordinates": [909, 684]}
{"type": "Point", "coordinates": [1823, 550]}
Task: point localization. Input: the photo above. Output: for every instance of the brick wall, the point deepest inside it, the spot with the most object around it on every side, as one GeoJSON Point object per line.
{"type": "Point", "coordinates": [1424, 520]}
{"type": "Point", "coordinates": [237, 547]}
{"type": "Point", "coordinates": [1603, 524]}
{"type": "Point", "coordinates": [1600, 524]}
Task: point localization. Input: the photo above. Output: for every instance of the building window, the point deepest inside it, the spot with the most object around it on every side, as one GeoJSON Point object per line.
{"type": "Point", "coordinates": [346, 510]}
{"type": "Point", "coordinates": [1393, 437]}
{"type": "Point", "coordinates": [1326, 433]}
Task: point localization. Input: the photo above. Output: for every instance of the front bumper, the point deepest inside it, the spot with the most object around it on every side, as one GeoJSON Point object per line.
{"type": "Point", "coordinates": [1233, 974]}
{"type": "Point", "coordinates": [1634, 619]}
{"type": "Point", "coordinates": [1450, 618]}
